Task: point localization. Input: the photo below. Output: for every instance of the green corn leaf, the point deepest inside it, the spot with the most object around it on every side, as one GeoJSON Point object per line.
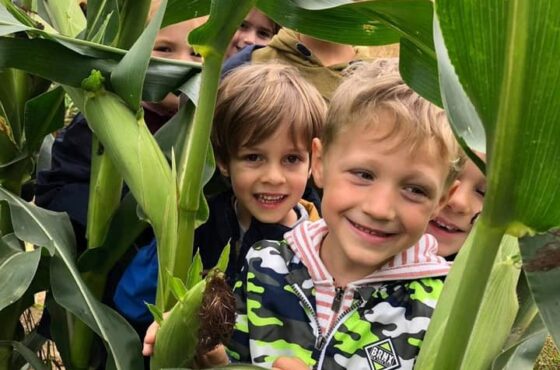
{"type": "Point", "coordinates": [156, 313]}
{"type": "Point", "coordinates": [16, 273]}
{"type": "Point", "coordinates": [540, 262]}
{"type": "Point", "coordinates": [102, 21]}
{"type": "Point", "coordinates": [504, 57]}
{"type": "Point", "coordinates": [499, 53]}
{"type": "Point", "coordinates": [66, 16]}
{"type": "Point", "coordinates": [348, 23]}
{"type": "Point", "coordinates": [522, 353]}
{"type": "Point", "coordinates": [180, 10]}
{"type": "Point", "coordinates": [53, 232]}
{"type": "Point", "coordinates": [28, 354]}
{"type": "Point", "coordinates": [69, 61]}
{"type": "Point", "coordinates": [195, 271]}
{"type": "Point", "coordinates": [224, 259]}
{"type": "Point", "coordinates": [462, 114]}
{"type": "Point", "coordinates": [43, 114]}
{"type": "Point", "coordinates": [419, 70]}
{"type": "Point", "coordinates": [178, 288]}
{"type": "Point", "coordinates": [128, 76]}
{"type": "Point", "coordinates": [9, 24]}
{"type": "Point", "coordinates": [132, 20]}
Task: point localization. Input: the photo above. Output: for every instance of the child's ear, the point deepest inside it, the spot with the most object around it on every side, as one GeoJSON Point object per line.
{"type": "Point", "coordinates": [317, 162]}
{"type": "Point", "coordinates": [223, 168]}
{"type": "Point", "coordinates": [445, 197]}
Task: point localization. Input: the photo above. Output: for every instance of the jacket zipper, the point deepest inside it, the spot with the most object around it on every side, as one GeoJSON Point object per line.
{"type": "Point", "coordinates": [320, 340]}
{"type": "Point", "coordinates": [335, 326]}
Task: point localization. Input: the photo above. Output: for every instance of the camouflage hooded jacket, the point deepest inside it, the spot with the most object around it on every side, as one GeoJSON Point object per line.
{"type": "Point", "coordinates": [381, 329]}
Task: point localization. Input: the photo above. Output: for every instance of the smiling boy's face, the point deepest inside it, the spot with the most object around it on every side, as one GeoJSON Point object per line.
{"type": "Point", "coordinates": [453, 224]}
{"type": "Point", "coordinates": [268, 179]}
{"type": "Point", "coordinates": [377, 199]}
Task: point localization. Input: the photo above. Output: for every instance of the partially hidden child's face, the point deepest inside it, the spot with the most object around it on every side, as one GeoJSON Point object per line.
{"type": "Point", "coordinates": [256, 29]}
{"type": "Point", "coordinates": [171, 42]}
{"type": "Point", "coordinates": [269, 179]}
{"type": "Point", "coordinates": [453, 224]}
{"type": "Point", "coordinates": [377, 198]}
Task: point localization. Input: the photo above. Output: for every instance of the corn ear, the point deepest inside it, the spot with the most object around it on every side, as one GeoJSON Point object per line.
{"type": "Point", "coordinates": [179, 336]}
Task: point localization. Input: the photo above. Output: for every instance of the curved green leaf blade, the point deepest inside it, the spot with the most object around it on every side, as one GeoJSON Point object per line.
{"type": "Point", "coordinates": [505, 55]}
{"type": "Point", "coordinates": [102, 21]}
{"type": "Point", "coordinates": [347, 24]}
{"type": "Point", "coordinates": [460, 111]}
{"type": "Point", "coordinates": [541, 262]}
{"type": "Point", "coordinates": [28, 354]}
{"type": "Point", "coordinates": [16, 274]}
{"type": "Point", "coordinates": [128, 76]}
{"type": "Point", "coordinates": [180, 10]}
{"type": "Point", "coordinates": [420, 71]}
{"type": "Point", "coordinates": [66, 16]}
{"type": "Point", "coordinates": [522, 354]}
{"type": "Point", "coordinates": [57, 62]}
{"type": "Point", "coordinates": [9, 24]}
{"type": "Point", "coordinates": [43, 114]}
{"type": "Point", "coordinates": [53, 231]}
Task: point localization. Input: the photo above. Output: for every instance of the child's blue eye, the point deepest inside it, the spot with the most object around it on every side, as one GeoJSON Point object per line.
{"type": "Point", "coordinates": [363, 175]}
{"type": "Point", "coordinates": [416, 191]}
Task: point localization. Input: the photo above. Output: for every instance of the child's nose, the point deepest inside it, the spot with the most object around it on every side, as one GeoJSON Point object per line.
{"type": "Point", "coordinates": [460, 201]}
{"type": "Point", "coordinates": [273, 174]}
{"type": "Point", "coordinates": [380, 204]}
{"type": "Point", "coordinates": [249, 37]}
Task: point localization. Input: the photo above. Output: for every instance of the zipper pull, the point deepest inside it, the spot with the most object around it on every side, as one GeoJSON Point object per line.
{"type": "Point", "coordinates": [320, 342]}
{"type": "Point", "coordinates": [339, 293]}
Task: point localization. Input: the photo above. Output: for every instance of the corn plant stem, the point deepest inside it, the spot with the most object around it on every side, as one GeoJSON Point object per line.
{"type": "Point", "coordinates": [132, 22]}
{"type": "Point", "coordinates": [191, 168]}
{"type": "Point", "coordinates": [82, 335]}
{"type": "Point", "coordinates": [468, 296]}
{"type": "Point", "coordinates": [104, 195]}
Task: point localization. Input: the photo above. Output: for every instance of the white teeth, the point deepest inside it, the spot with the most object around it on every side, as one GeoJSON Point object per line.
{"type": "Point", "coordinates": [445, 226]}
{"type": "Point", "coordinates": [369, 231]}
{"type": "Point", "coordinates": [270, 198]}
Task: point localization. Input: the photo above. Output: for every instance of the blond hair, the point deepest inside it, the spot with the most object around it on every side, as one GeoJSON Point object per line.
{"type": "Point", "coordinates": [256, 99]}
{"type": "Point", "coordinates": [376, 90]}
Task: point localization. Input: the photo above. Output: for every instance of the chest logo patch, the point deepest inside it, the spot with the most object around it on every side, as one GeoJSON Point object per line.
{"type": "Point", "coordinates": [382, 356]}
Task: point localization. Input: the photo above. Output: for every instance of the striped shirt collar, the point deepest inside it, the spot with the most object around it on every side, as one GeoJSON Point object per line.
{"type": "Point", "coordinates": [419, 261]}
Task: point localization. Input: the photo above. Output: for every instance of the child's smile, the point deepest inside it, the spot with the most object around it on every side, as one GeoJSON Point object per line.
{"type": "Point", "coordinates": [453, 224]}
{"type": "Point", "coordinates": [268, 179]}
{"type": "Point", "coordinates": [378, 198]}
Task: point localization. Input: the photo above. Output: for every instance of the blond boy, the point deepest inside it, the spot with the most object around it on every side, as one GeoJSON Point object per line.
{"type": "Point", "coordinates": [356, 290]}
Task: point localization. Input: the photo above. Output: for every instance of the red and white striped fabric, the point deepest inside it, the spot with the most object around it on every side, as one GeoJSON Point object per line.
{"type": "Point", "coordinates": [419, 261]}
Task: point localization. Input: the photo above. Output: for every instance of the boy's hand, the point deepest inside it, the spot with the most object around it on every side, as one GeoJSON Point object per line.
{"type": "Point", "coordinates": [213, 358]}
{"type": "Point", "coordinates": [289, 363]}
{"type": "Point", "coordinates": [150, 339]}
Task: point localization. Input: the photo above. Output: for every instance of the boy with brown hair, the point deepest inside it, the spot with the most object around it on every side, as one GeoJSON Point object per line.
{"type": "Point", "coordinates": [265, 120]}
{"type": "Point", "coordinates": [356, 290]}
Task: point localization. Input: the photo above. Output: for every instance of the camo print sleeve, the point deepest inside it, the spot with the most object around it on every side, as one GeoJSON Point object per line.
{"type": "Point", "coordinates": [238, 348]}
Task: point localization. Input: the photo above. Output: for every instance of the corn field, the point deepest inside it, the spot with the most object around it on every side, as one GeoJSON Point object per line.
{"type": "Point", "coordinates": [492, 64]}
